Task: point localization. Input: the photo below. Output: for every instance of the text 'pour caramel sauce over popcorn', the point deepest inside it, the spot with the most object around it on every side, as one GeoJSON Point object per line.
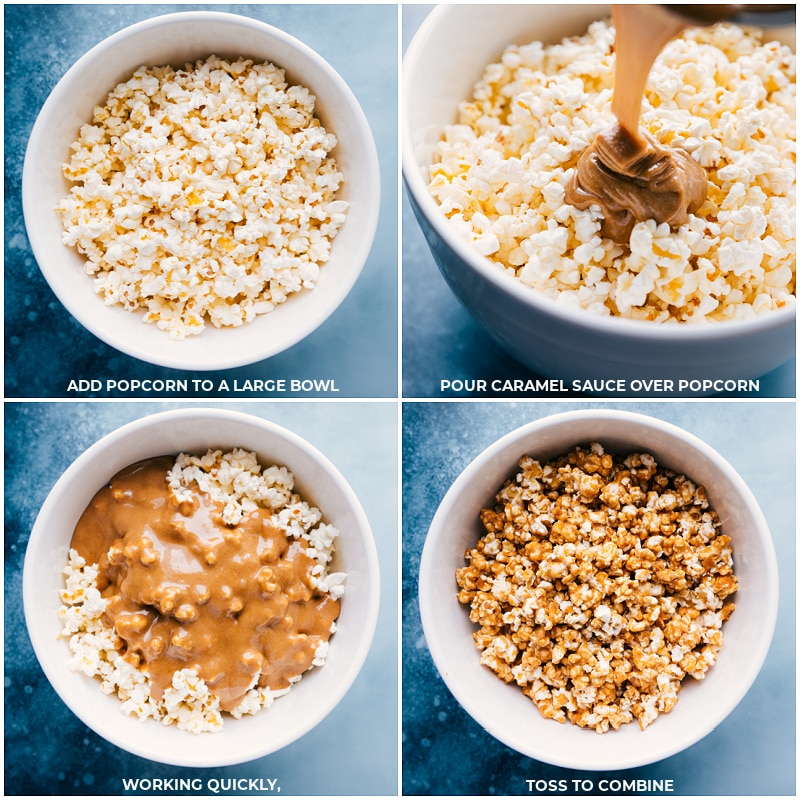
{"type": "Point", "coordinates": [624, 171]}
{"type": "Point", "coordinates": [187, 590]}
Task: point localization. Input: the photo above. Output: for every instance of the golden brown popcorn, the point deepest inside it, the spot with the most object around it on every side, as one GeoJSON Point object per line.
{"type": "Point", "coordinates": [600, 583]}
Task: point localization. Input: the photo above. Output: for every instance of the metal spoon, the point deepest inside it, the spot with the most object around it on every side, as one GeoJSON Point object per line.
{"type": "Point", "coordinates": [760, 15]}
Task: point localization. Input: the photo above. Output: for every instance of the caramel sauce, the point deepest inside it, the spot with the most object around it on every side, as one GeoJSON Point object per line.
{"type": "Point", "coordinates": [187, 590]}
{"type": "Point", "coordinates": [634, 179]}
{"type": "Point", "coordinates": [624, 171]}
{"type": "Point", "coordinates": [642, 31]}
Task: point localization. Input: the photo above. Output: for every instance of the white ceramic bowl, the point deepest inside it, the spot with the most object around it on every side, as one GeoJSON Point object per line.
{"type": "Point", "coordinates": [443, 62]}
{"type": "Point", "coordinates": [318, 482]}
{"type": "Point", "coordinates": [501, 708]}
{"type": "Point", "coordinates": [176, 39]}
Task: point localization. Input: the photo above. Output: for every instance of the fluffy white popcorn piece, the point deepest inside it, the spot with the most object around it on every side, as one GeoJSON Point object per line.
{"type": "Point", "coordinates": [257, 698]}
{"type": "Point", "coordinates": [722, 93]}
{"type": "Point", "coordinates": [236, 479]}
{"type": "Point", "coordinates": [202, 195]}
{"type": "Point", "coordinates": [189, 705]}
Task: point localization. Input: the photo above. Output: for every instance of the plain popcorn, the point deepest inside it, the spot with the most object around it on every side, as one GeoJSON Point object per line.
{"type": "Point", "coordinates": [720, 93]}
{"type": "Point", "coordinates": [203, 195]}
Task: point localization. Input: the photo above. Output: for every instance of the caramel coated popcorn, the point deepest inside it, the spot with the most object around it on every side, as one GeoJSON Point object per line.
{"type": "Point", "coordinates": [599, 585]}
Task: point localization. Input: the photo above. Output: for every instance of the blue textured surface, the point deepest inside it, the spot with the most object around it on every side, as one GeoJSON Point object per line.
{"type": "Point", "coordinates": [446, 753]}
{"type": "Point", "coordinates": [355, 750]}
{"type": "Point", "coordinates": [46, 347]}
{"type": "Point", "coordinates": [50, 752]}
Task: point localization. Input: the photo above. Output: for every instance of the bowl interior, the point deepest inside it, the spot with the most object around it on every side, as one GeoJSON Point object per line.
{"type": "Point", "coordinates": [456, 43]}
{"type": "Point", "coordinates": [502, 709]}
{"type": "Point", "coordinates": [177, 39]}
{"type": "Point", "coordinates": [445, 59]}
{"type": "Point", "coordinates": [438, 75]}
{"type": "Point", "coordinates": [316, 480]}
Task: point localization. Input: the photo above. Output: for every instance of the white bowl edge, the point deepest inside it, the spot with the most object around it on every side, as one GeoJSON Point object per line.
{"type": "Point", "coordinates": [215, 348]}
{"type": "Point", "coordinates": [241, 740]}
{"type": "Point", "coordinates": [415, 166]}
{"type": "Point", "coordinates": [448, 631]}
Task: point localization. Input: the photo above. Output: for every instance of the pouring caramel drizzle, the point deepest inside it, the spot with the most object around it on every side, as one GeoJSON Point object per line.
{"type": "Point", "coordinates": [187, 590]}
{"type": "Point", "coordinates": [642, 31]}
{"type": "Point", "coordinates": [624, 171]}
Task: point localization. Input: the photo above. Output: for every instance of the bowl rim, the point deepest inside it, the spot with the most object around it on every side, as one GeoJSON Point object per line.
{"type": "Point", "coordinates": [438, 530]}
{"type": "Point", "coordinates": [55, 667]}
{"type": "Point", "coordinates": [262, 347]}
{"type": "Point", "coordinates": [443, 15]}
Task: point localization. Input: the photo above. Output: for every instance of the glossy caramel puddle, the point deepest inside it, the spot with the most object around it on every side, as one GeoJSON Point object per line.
{"type": "Point", "coordinates": [186, 590]}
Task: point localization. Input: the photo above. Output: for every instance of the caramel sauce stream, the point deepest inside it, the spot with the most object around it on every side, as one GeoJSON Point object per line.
{"type": "Point", "coordinates": [624, 171]}
{"type": "Point", "coordinates": [642, 31]}
{"type": "Point", "coordinates": [187, 590]}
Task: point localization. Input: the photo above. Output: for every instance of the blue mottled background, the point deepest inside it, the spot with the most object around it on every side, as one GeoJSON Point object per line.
{"type": "Point", "coordinates": [446, 753]}
{"type": "Point", "coordinates": [49, 751]}
{"type": "Point", "coordinates": [46, 347]}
